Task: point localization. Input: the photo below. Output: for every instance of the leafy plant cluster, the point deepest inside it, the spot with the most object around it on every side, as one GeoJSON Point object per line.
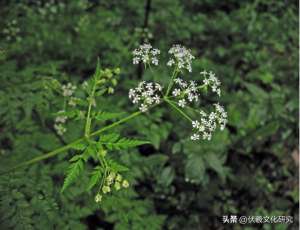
{"type": "Point", "coordinates": [249, 169]}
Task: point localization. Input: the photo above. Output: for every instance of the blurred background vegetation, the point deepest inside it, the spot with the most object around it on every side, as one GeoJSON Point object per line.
{"type": "Point", "coordinates": [250, 169]}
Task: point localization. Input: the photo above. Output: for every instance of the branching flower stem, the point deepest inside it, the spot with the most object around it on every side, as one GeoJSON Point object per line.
{"type": "Point", "coordinates": [88, 118]}
{"type": "Point", "coordinates": [175, 72]}
{"type": "Point", "coordinates": [87, 133]}
{"type": "Point", "coordinates": [174, 106]}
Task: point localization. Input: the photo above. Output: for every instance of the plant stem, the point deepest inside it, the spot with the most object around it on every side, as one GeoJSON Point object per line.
{"type": "Point", "coordinates": [175, 72]}
{"type": "Point", "coordinates": [88, 118]}
{"type": "Point", "coordinates": [69, 146]}
{"type": "Point", "coordinates": [45, 156]}
{"type": "Point", "coordinates": [116, 123]}
{"type": "Point", "coordinates": [105, 171]}
{"type": "Point", "coordinates": [177, 109]}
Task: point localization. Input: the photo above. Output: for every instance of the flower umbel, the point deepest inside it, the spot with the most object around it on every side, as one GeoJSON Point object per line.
{"type": "Point", "coordinates": [181, 57]}
{"type": "Point", "coordinates": [184, 93]}
{"type": "Point", "coordinates": [146, 94]}
{"type": "Point", "coordinates": [208, 123]}
{"type": "Point", "coordinates": [187, 92]}
{"type": "Point", "coordinates": [145, 54]}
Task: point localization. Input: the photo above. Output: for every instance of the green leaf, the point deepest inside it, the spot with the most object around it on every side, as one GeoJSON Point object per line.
{"type": "Point", "coordinates": [111, 137]}
{"type": "Point", "coordinates": [73, 173]}
{"type": "Point", "coordinates": [125, 143]}
{"type": "Point", "coordinates": [79, 146]}
{"type": "Point", "coordinates": [116, 167]}
{"type": "Point", "coordinates": [266, 130]}
{"type": "Point", "coordinates": [112, 142]}
{"type": "Point", "coordinates": [90, 151]}
{"type": "Point", "coordinates": [215, 163]}
{"type": "Point", "coordinates": [195, 168]}
{"type": "Point", "coordinates": [96, 175]}
{"type": "Point", "coordinates": [177, 147]}
{"type": "Point", "coordinates": [256, 91]}
{"type": "Point", "coordinates": [75, 158]}
{"type": "Point", "coordinates": [167, 176]}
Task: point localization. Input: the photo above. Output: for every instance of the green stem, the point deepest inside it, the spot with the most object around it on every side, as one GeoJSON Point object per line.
{"type": "Point", "coordinates": [125, 119]}
{"type": "Point", "coordinates": [88, 118]}
{"type": "Point", "coordinates": [177, 109]}
{"type": "Point", "coordinates": [151, 70]}
{"type": "Point", "coordinates": [175, 72]}
{"type": "Point", "coordinates": [69, 146]}
{"type": "Point", "coordinates": [105, 172]}
{"type": "Point", "coordinates": [45, 156]}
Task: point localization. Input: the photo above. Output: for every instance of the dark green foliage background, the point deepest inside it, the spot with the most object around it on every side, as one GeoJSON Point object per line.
{"type": "Point", "coordinates": [250, 169]}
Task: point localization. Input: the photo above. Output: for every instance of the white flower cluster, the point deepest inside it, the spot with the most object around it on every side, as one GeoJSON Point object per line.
{"type": "Point", "coordinates": [68, 89]}
{"type": "Point", "coordinates": [146, 94]}
{"type": "Point", "coordinates": [208, 123]}
{"type": "Point", "coordinates": [212, 81]}
{"type": "Point", "coordinates": [145, 54]}
{"type": "Point", "coordinates": [187, 92]}
{"type": "Point", "coordinates": [182, 57]}
{"type": "Point", "coordinates": [59, 124]}
{"type": "Point", "coordinates": [115, 180]}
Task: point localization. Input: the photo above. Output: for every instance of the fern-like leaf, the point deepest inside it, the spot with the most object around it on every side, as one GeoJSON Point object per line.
{"type": "Point", "coordinates": [113, 142]}
{"type": "Point", "coordinates": [116, 167]}
{"type": "Point", "coordinates": [96, 175]}
{"type": "Point", "coordinates": [74, 170]}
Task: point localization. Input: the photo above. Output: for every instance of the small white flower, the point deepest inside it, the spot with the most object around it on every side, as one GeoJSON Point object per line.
{"type": "Point", "coordinates": [158, 87]}
{"type": "Point", "coordinates": [182, 103]}
{"type": "Point", "coordinates": [143, 108]}
{"type": "Point", "coordinates": [156, 99]}
{"type": "Point", "coordinates": [195, 137]}
{"type": "Point", "coordinates": [136, 60]}
{"type": "Point", "coordinates": [131, 93]}
{"type": "Point", "coordinates": [178, 81]}
{"type": "Point", "coordinates": [206, 81]}
{"type": "Point", "coordinates": [195, 124]}
{"type": "Point", "coordinates": [170, 62]}
{"type": "Point", "coordinates": [176, 92]}
{"type": "Point", "coordinates": [136, 100]}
